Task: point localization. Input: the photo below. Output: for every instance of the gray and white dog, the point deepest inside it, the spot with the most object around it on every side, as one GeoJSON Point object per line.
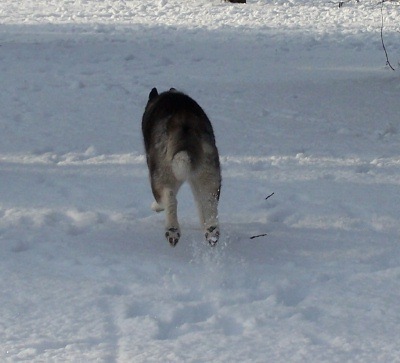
{"type": "Point", "coordinates": [180, 146]}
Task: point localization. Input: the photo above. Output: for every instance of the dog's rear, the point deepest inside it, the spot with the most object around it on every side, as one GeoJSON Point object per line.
{"type": "Point", "coordinates": [180, 146]}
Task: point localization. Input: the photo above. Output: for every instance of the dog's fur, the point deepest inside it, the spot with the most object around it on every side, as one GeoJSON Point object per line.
{"type": "Point", "coordinates": [180, 146]}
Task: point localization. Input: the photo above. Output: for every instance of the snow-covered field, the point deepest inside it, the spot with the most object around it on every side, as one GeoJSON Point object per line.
{"type": "Point", "coordinates": [302, 106]}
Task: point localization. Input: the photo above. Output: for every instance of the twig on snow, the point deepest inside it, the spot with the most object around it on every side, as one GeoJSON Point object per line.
{"type": "Point", "coordinates": [262, 234]}
{"type": "Point", "coordinates": [341, 2]}
{"type": "Point", "coordinates": [269, 196]}
{"type": "Point", "coordinates": [258, 235]}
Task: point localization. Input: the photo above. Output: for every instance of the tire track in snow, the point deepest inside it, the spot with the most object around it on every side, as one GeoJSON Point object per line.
{"type": "Point", "coordinates": [232, 164]}
{"type": "Point", "coordinates": [296, 208]}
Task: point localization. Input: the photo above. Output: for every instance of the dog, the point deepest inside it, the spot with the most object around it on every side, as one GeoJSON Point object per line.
{"type": "Point", "coordinates": [180, 147]}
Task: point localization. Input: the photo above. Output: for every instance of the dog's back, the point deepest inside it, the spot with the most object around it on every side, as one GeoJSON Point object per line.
{"type": "Point", "coordinates": [180, 145]}
{"type": "Point", "coordinates": [176, 130]}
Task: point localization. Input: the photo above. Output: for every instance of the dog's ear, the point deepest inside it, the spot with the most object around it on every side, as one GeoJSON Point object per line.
{"type": "Point", "coordinates": [172, 89]}
{"type": "Point", "coordinates": [153, 93]}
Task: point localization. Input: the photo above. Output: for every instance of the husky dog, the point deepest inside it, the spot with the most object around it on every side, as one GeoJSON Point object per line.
{"type": "Point", "coordinates": [180, 146]}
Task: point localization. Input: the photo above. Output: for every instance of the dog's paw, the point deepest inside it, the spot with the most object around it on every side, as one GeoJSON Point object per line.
{"type": "Point", "coordinates": [155, 207]}
{"type": "Point", "coordinates": [212, 235]}
{"type": "Point", "coordinates": [172, 235]}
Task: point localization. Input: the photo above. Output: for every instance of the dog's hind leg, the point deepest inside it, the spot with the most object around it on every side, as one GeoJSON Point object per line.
{"type": "Point", "coordinates": [164, 191]}
{"type": "Point", "coordinates": [170, 203]}
{"type": "Point", "coordinates": [206, 192]}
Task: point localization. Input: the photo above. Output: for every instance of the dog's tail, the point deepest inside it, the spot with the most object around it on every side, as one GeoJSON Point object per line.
{"type": "Point", "coordinates": [186, 158]}
{"type": "Point", "coordinates": [184, 146]}
{"type": "Point", "coordinates": [181, 165]}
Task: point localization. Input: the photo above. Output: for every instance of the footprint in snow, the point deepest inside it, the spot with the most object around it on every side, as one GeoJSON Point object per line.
{"type": "Point", "coordinates": [291, 295]}
{"type": "Point", "coordinates": [184, 320]}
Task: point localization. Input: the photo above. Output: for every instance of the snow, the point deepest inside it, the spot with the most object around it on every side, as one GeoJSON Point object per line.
{"type": "Point", "coordinates": [302, 106]}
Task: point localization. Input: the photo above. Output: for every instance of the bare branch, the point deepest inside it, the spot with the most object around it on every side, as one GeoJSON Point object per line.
{"type": "Point", "coordinates": [383, 43]}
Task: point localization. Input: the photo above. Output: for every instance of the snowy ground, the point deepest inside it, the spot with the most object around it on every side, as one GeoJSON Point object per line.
{"type": "Point", "coordinates": [302, 106]}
